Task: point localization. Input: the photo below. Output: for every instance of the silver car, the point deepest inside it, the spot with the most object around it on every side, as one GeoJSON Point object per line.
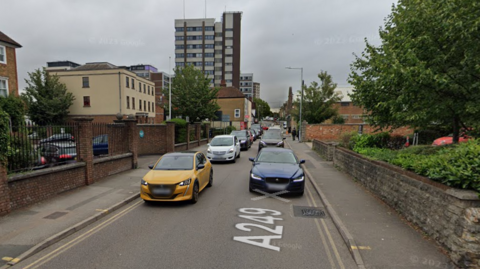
{"type": "Point", "coordinates": [223, 148]}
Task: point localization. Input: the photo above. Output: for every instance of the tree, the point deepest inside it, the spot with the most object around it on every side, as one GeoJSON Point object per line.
{"type": "Point", "coordinates": [192, 95]}
{"type": "Point", "coordinates": [15, 108]}
{"type": "Point", "coordinates": [427, 70]}
{"type": "Point", "coordinates": [46, 98]}
{"type": "Point", "coordinates": [262, 108]}
{"type": "Point", "coordinates": [318, 100]}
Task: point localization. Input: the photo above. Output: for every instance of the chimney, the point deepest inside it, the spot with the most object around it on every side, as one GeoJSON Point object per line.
{"type": "Point", "coordinates": [223, 83]}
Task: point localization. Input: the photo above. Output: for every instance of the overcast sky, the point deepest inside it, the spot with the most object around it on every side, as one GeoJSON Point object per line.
{"type": "Point", "coordinates": [313, 34]}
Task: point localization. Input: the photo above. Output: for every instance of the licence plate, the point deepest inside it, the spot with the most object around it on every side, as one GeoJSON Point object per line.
{"type": "Point", "coordinates": [217, 157]}
{"type": "Point", "coordinates": [161, 191]}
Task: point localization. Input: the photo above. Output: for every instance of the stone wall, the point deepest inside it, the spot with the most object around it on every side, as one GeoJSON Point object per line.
{"type": "Point", "coordinates": [154, 139]}
{"type": "Point", "coordinates": [449, 216]}
{"type": "Point", "coordinates": [334, 132]}
{"type": "Point", "coordinates": [108, 166]}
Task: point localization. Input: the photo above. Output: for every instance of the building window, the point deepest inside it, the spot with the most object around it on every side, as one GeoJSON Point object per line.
{"type": "Point", "coordinates": [237, 113]}
{"type": "Point", "coordinates": [140, 105]}
{"type": "Point", "coordinates": [128, 82]}
{"type": "Point", "coordinates": [179, 47]}
{"type": "Point", "coordinates": [149, 90]}
{"type": "Point", "coordinates": [128, 102]}
{"type": "Point", "coordinates": [208, 28]}
{"type": "Point", "coordinates": [3, 55]}
{"type": "Point", "coordinates": [133, 83]}
{"type": "Point", "coordinates": [209, 37]}
{"type": "Point", "coordinates": [153, 107]}
{"type": "Point", "coordinates": [144, 87]}
{"type": "Point", "coordinates": [139, 86]}
{"type": "Point", "coordinates": [178, 37]}
{"type": "Point", "coordinates": [179, 55]}
{"type": "Point", "coordinates": [85, 82]}
{"type": "Point", "coordinates": [210, 46]}
{"type": "Point", "coordinates": [133, 103]}
{"type": "Point", "coordinates": [3, 87]}
{"type": "Point", "coordinates": [180, 64]}
{"type": "Point", "coordinates": [86, 101]}
{"type": "Point", "coordinates": [345, 117]}
{"type": "Point", "coordinates": [228, 38]}
{"type": "Point", "coordinates": [356, 117]}
{"type": "Point", "coordinates": [179, 29]}
{"type": "Point", "coordinates": [228, 29]}
{"type": "Point", "coordinates": [144, 105]}
{"type": "Point", "coordinates": [148, 106]}
{"type": "Point", "coordinates": [345, 103]}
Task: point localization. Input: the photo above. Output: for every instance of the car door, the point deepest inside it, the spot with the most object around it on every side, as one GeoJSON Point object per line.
{"type": "Point", "coordinates": [237, 146]}
{"type": "Point", "coordinates": [201, 173]}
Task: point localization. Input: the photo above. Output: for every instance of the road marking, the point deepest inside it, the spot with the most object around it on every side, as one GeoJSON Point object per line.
{"type": "Point", "coordinates": [324, 241]}
{"type": "Point", "coordinates": [101, 210]}
{"type": "Point", "coordinates": [271, 195]}
{"type": "Point", "coordinates": [329, 235]}
{"type": "Point", "coordinates": [75, 241]}
{"type": "Point", "coordinates": [361, 247]}
{"type": "Point", "coordinates": [10, 259]}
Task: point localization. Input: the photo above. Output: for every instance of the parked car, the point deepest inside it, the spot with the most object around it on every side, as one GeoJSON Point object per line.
{"type": "Point", "coordinates": [223, 148]}
{"type": "Point", "coordinates": [271, 138]}
{"type": "Point", "coordinates": [100, 145]}
{"type": "Point", "coordinates": [446, 140]}
{"type": "Point", "coordinates": [244, 138]}
{"type": "Point", "coordinates": [251, 137]}
{"type": "Point", "coordinates": [59, 152]}
{"type": "Point", "coordinates": [178, 176]}
{"type": "Point", "coordinates": [33, 135]}
{"type": "Point", "coordinates": [58, 137]}
{"type": "Point", "coordinates": [254, 134]}
{"type": "Point", "coordinates": [257, 127]}
{"type": "Point", "coordinates": [277, 169]}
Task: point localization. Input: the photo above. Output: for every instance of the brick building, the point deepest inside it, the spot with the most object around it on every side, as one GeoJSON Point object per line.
{"type": "Point", "coordinates": [346, 109]}
{"type": "Point", "coordinates": [8, 66]}
{"type": "Point", "coordinates": [234, 103]}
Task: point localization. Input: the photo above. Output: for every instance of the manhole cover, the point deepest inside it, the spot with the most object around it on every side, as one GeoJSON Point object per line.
{"type": "Point", "coordinates": [56, 215]}
{"type": "Point", "coordinates": [309, 212]}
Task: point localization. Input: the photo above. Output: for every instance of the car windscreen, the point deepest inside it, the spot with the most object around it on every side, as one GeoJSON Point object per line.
{"type": "Point", "coordinates": [276, 157]}
{"type": "Point", "coordinates": [240, 135]}
{"type": "Point", "coordinates": [272, 135]}
{"type": "Point", "coordinates": [222, 141]}
{"type": "Point", "coordinates": [175, 163]}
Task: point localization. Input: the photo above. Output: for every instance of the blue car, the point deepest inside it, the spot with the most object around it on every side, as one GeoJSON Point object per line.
{"type": "Point", "coordinates": [100, 145]}
{"type": "Point", "coordinates": [277, 169]}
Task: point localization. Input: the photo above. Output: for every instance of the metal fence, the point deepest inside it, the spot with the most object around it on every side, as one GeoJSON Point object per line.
{"type": "Point", "coordinates": [33, 147]}
{"type": "Point", "coordinates": [109, 139]}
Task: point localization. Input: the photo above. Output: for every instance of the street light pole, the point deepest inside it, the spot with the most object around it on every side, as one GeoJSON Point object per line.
{"type": "Point", "coordinates": [169, 89]}
{"type": "Point", "coordinates": [301, 101]}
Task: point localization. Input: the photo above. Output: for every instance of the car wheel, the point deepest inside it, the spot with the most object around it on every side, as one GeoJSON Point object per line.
{"type": "Point", "coordinates": [210, 181]}
{"type": "Point", "coordinates": [195, 192]}
{"type": "Point", "coordinates": [250, 189]}
{"type": "Point", "coordinates": [238, 156]}
{"type": "Point", "coordinates": [300, 193]}
{"type": "Point", "coordinates": [234, 160]}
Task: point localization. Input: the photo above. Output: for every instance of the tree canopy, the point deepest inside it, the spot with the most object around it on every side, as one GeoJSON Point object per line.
{"type": "Point", "coordinates": [192, 95]}
{"type": "Point", "coordinates": [262, 108]}
{"type": "Point", "coordinates": [46, 98]}
{"type": "Point", "coordinates": [427, 69]}
{"type": "Point", "coordinates": [318, 100]}
{"type": "Point", "coordinates": [14, 107]}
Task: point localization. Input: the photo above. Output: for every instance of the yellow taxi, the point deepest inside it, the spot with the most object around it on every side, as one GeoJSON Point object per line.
{"type": "Point", "coordinates": [178, 176]}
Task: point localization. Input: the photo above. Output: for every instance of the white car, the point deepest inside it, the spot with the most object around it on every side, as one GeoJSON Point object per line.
{"type": "Point", "coordinates": [223, 148]}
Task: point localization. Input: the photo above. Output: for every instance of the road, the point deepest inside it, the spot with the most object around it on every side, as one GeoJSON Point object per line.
{"type": "Point", "coordinates": [214, 233]}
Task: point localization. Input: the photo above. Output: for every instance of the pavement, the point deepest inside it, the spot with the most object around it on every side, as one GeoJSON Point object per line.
{"type": "Point", "coordinates": [375, 234]}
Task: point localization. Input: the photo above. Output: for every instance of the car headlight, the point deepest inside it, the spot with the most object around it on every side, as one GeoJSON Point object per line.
{"type": "Point", "coordinates": [209, 150]}
{"type": "Point", "coordinates": [231, 150]}
{"type": "Point", "coordinates": [257, 177]}
{"type": "Point", "coordinates": [143, 182]}
{"type": "Point", "coordinates": [299, 179]}
{"type": "Point", "coordinates": [279, 143]}
{"type": "Point", "coordinates": [184, 183]}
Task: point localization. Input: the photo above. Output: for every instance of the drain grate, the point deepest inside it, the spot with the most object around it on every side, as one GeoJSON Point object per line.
{"type": "Point", "coordinates": [56, 215]}
{"type": "Point", "coordinates": [309, 212]}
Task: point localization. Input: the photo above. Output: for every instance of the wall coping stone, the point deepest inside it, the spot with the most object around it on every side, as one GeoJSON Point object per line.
{"type": "Point", "coordinates": [112, 158]}
{"type": "Point", "coordinates": [150, 125]}
{"type": "Point", "coordinates": [60, 168]}
{"type": "Point", "coordinates": [82, 119]}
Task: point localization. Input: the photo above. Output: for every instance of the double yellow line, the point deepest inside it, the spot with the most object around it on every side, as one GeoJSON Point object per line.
{"type": "Point", "coordinates": [324, 235]}
{"type": "Point", "coordinates": [44, 259]}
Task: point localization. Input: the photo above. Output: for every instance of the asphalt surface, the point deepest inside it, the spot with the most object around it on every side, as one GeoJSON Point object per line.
{"type": "Point", "coordinates": [105, 225]}
{"type": "Point", "coordinates": [202, 235]}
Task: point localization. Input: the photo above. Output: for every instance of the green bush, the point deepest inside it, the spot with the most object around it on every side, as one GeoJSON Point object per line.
{"type": "Point", "coordinates": [180, 130]}
{"type": "Point", "coordinates": [230, 129]}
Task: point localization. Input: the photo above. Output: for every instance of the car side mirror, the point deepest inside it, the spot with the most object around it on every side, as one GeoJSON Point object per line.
{"type": "Point", "coordinates": [251, 159]}
{"type": "Point", "coordinates": [150, 166]}
{"type": "Point", "coordinates": [302, 161]}
{"type": "Point", "coordinates": [200, 166]}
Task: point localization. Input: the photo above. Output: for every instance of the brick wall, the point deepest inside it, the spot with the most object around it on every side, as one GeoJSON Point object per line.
{"type": "Point", "coordinates": [39, 185]}
{"type": "Point", "coordinates": [334, 132]}
{"type": "Point", "coordinates": [108, 166]}
{"type": "Point", "coordinates": [154, 139]}
{"type": "Point", "coordinates": [10, 70]}
{"type": "Point", "coordinates": [449, 216]}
